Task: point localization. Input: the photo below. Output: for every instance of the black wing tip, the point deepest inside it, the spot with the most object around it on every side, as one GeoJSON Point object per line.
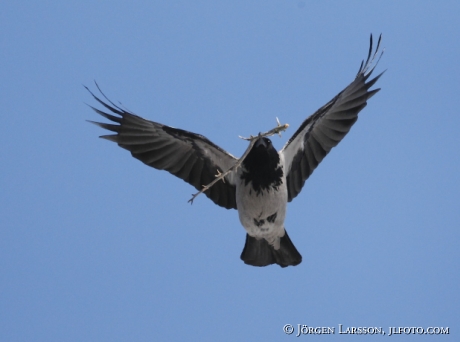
{"type": "Point", "coordinates": [117, 113]}
{"type": "Point", "coordinates": [111, 137]}
{"type": "Point", "coordinates": [372, 93]}
{"type": "Point", "coordinates": [108, 104]}
{"type": "Point", "coordinates": [93, 122]}
{"type": "Point", "coordinates": [366, 68]}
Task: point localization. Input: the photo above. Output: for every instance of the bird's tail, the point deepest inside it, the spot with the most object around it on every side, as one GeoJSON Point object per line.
{"type": "Point", "coordinates": [261, 253]}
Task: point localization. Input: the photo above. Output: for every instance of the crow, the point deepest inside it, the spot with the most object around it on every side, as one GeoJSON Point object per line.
{"type": "Point", "coordinates": [265, 181]}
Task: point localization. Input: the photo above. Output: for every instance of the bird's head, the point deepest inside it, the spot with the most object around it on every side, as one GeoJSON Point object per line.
{"type": "Point", "coordinates": [262, 155]}
{"type": "Point", "coordinates": [263, 143]}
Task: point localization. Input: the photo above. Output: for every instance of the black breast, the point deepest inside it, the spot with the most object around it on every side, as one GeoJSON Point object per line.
{"type": "Point", "coordinates": [262, 167]}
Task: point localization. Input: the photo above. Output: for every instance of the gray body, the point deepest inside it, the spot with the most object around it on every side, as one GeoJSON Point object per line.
{"type": "Point", "coordinates": [262, 219]}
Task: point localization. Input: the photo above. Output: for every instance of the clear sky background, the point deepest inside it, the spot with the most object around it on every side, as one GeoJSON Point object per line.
{"type": "Point", "coordinates": [96, 246]}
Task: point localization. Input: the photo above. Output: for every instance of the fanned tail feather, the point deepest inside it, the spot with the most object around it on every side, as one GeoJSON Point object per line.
{"type": "Point", "coordinates": [261, 253]}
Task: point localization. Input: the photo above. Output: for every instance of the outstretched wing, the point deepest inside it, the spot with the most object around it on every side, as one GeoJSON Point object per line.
{"type": "Point", "coordinates": [187, 155]}
{"type": "Point", "coordinates": [323, 130]}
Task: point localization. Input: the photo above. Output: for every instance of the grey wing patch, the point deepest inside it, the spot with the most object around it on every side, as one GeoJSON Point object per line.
{"type": "Point", "coordinates": [189, 156]}
{"type": "Point", "coordinates": [323, 130]}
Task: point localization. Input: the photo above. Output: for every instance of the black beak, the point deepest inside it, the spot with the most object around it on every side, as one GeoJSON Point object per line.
{"type": "Point", "coordinates": [260, 142]}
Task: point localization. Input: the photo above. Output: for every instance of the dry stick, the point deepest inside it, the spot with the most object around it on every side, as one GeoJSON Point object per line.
{"type": "Point", "coordinates": [277, 130]}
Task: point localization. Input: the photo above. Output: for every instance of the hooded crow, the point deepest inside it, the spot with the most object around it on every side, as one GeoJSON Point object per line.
{"type": "Point", "coordinates": [266, 179]}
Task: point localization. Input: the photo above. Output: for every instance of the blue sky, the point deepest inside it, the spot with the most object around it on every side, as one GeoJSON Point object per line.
{"type": "Point", "coordinates": [95, 246]}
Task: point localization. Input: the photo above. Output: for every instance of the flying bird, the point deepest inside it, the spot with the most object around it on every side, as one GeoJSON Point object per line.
{"type": "Point", "coordinates": [262, 184]}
